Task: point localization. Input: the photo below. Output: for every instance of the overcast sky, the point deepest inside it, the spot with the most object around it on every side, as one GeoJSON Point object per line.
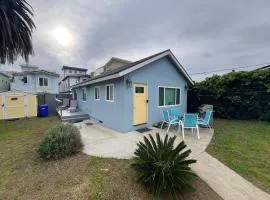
{"type": "Point", "coordinates": [204, 35]}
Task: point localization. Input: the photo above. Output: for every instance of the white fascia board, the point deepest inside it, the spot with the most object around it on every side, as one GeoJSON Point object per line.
{"type": "Point", "coordinates": [156, 58]}
{"type": "Point", "coordinates": [96, 80]}
{"type": "Point", "coordinates": [135, 67]}
{"type": "Point", "coordinates": [181, 68]}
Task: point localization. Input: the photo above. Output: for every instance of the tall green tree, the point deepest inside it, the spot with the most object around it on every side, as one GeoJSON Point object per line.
{"type": "Point", "coordinates": [16, 27]}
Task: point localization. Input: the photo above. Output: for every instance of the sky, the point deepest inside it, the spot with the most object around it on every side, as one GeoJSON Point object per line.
{"type": "Point", "coordinates": [208, 35]}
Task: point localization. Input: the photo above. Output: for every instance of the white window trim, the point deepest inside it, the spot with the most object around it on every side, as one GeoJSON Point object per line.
{"type": "Point", "coordinates": [43, 77]}
{"type": "Point", "coordinates": [98, 87]}
{"type": "Point", "coordinates": [109, 93]}
{"type": "Point", "coordinates": [84, 89]}
{"type": "Point", "coordinates": [164, 97]}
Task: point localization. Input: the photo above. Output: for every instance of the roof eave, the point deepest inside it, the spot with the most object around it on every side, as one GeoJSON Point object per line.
{"type": "Point", "coordinates": [135, 67]}
{"type": "Point", "coordinates": [89, 82]}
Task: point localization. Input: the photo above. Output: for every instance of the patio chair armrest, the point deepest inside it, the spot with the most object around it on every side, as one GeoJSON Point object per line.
{"type": "Point", "coordinates": [181, 122]}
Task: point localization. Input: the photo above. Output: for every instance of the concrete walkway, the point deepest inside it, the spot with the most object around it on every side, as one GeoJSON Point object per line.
{"type": "Point", "coordinates": [103, 142]}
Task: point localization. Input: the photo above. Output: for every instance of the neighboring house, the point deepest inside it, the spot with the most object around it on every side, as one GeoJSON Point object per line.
{"type": "Point", "coordinates": [112, 64]}
{"type": "Point", "coordinates": [34, 80]}
{"type": "Point", "coordinates": [4, 82]}
{"type": "Point", "coordinates": [71, 76]}
{"type": "Point", "coordinates": [73, 70]}
{"type": "Point", "coordinates": [133, 96]}
{"type": "Point", "coordinates": [70, 80]}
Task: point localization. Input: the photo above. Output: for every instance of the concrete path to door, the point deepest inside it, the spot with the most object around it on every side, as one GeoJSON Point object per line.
{"type": "Point", "coordinates": [104, 142]}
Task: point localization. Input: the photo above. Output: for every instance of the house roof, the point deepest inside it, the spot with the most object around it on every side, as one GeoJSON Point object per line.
{"type": "Point", "coordinates": [76, 76]}
{"type": "Point", "coordinates": [74, 68]}
{"type": "Point", "coordinates": [121, 71]}
{"type": "Point", "coordinates": [117, 59]}
{"type": "Point", "coordinates": [41, 71]}
{"type": "Point", "coordinates": [4, 74]}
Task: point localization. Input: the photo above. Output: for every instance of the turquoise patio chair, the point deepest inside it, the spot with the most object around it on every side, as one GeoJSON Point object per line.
{"type": "Point", "coordinates": [205, 121]}
{"type": "Point", "coordinates": [190, 122]}
{"type": "Point", "coordinates": [168, 120]}
{"type": "Point", "coordinates": [175, 112]}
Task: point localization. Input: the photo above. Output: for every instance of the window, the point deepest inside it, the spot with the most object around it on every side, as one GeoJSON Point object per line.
{"type": "Point", "coordinates": [70, 71]}
{"type": "Point", "coordinates": [84, 94]}
{"type": "Point", "coordinates": [74, 94]}
{"type": "Point", "coordinates": [169, 96]}
{"type": "Point", "coordinates": [109, 93]}
{"type": "Point", "coordinates": [97, 89]}
{"type": "Point", "coordinates": [24, 79]}
{"type": "Point", "coordinates": [75, 71]}
{"type": "Point", "coordinates": [139, 90]}
{"type": "Point", "coordinates": [43, 81]}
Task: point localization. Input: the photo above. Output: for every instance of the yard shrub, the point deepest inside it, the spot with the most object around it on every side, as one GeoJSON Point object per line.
{"type": "Point", "coordinates": [236, 95]}
{"type": "Point", "coordinates": [60, 141]}
{"type": "Point", "coordinates": [163, 167]}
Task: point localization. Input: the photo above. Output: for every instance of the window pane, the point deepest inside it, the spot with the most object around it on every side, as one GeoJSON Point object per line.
{"type": "Point", "coordinates": [161, 96]}
{"type": "Point", "coordinates": [45, 82]}
{"type": "Point", "coordinates": [96, 93]}
{"type": "Point", "coordinates": [107, 92]}
{"type": "Point", "coordinates": [169, 96]}
{"type": "Point", "coordinates": [177, 96]}
{"type": "Point", "coordinates": [84, 94]}
{"type": "Point", "coordinates": [41, 81]}
{"type": "Point", "coordinates": [111, 93]}
{"type": "Point", "coordinates": [139, 89]}
{"type": "Point", "coordinates": [75, 95]}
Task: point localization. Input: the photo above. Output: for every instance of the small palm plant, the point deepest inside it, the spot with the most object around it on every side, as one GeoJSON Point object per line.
{"type": "Point", "coordinates": [163, 167]}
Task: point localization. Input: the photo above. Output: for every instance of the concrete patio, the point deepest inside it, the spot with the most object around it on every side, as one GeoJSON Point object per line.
{"type": "Point", "coordinates": [104, 142]}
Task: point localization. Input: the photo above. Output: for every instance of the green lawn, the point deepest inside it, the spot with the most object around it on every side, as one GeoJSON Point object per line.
{"type": "Point", "coordinates": [24, 175]}
{"type": "Point", "coordinates": [244, 146]}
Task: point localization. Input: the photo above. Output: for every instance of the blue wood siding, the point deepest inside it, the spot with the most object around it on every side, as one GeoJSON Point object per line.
{"type": "Point", "coordinates": [110, 113]}
{"type": "Point", "coordinates": [159, 73]}
{"type": "Point", "coordinates": [118, 115]}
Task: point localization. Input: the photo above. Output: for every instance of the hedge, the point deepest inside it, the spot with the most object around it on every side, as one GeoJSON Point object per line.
{"type": "Point", "coordinates": [236, 95]}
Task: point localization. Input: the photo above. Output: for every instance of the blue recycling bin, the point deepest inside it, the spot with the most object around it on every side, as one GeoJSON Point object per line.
{"type": "Point", "coordinates": [43, 110]}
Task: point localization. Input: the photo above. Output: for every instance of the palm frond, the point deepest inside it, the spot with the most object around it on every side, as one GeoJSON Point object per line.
{"type": "Point", "coordinates": [16, 27]}
{"type": "Point", "coordinates": [163, 167]}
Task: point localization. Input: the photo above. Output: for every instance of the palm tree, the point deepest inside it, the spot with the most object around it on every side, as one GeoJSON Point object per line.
{"type": "Point", "coordinates": [16, 27]}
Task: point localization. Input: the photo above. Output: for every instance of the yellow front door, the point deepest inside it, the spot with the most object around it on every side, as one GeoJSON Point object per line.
{"type": "Point", "coordinates": [139, 104]}
{"type": "Point", "coordinates": [1, 108]}
{"type": "Point", "coordinates": [14, 107]}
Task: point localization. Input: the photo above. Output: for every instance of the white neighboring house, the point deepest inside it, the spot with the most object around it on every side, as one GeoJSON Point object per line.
{"type": "Point", "coordinates": [70, 80]}
{"type": "Point", "coordinates": [4, 82]}
{"type": "Point", "coordinates": [71, 76]}
{"type": "Point", "coordinates": [34, 80]}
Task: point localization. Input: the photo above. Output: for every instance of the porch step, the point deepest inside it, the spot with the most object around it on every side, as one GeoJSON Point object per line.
{"type": "Point", "coordinates": [75, 118]}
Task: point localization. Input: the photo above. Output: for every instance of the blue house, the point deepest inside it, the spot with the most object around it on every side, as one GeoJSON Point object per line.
{"type": "Point", "coordinates": [133, 96]}
{"type": "Point", "coordinates": [34, 80]}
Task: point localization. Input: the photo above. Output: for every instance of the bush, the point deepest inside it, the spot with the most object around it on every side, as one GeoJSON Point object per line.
{"type": "Point", "coordinates": [60, 141]}
{"type": "Point", "coordinates": [163, 167]}
{"type": "Point", "coordinates": [237, 95]}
